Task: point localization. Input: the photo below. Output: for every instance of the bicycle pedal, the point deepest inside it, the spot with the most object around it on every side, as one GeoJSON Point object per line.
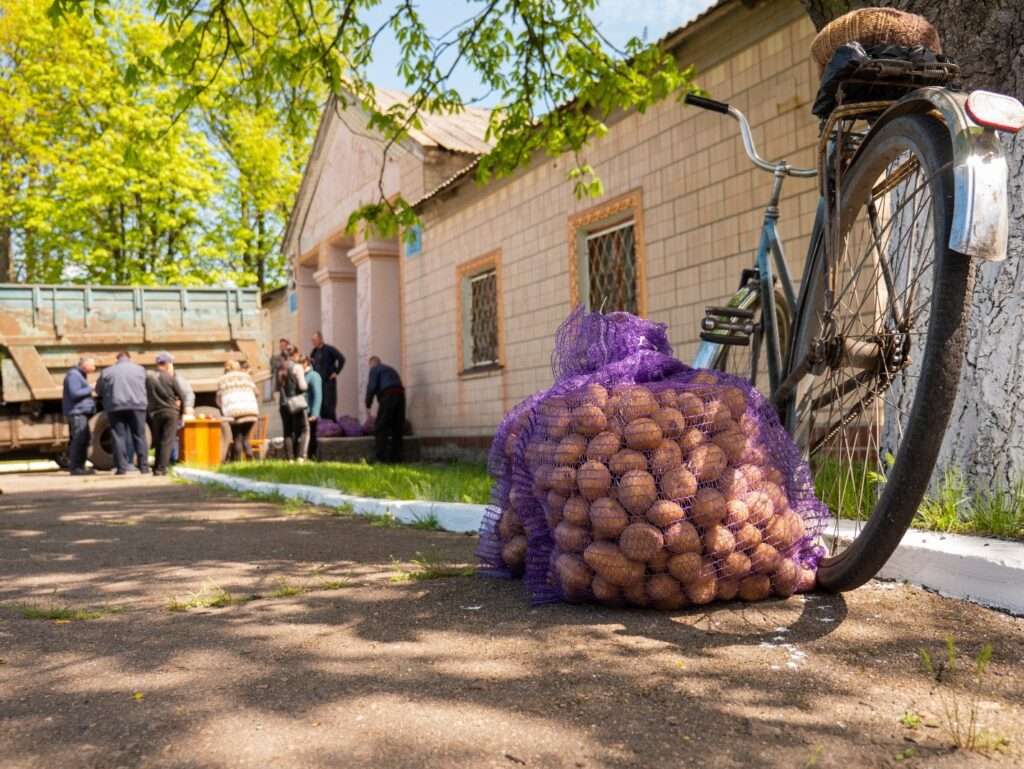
{"type": "Point", "coordinates": [729, 312]}
{"type": "Point", "coordinates": [732, 339]}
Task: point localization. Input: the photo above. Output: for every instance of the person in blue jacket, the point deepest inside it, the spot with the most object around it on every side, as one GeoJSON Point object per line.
{"type": "Point", "coordinates": [314, 397]}
{"type": "Point", "coordinates": [79, 404]}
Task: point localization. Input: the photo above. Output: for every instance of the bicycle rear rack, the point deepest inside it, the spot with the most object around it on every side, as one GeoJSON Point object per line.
{"type": "Point", "coordinates": [727, 325]}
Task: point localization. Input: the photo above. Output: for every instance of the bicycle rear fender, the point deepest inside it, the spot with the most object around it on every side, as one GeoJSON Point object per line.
{"type": "Point", "coordinates": [980, 172]}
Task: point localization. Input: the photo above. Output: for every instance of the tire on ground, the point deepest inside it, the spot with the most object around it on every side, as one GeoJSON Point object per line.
{"type": "Point", "coordinates": [101, 442]}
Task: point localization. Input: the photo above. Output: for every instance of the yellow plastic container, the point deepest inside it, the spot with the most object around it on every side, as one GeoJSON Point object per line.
{"type": "Point", "coordinates": [200, 442]}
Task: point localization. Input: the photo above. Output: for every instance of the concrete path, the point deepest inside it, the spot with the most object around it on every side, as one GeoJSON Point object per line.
{"type": "Point", "coordinates": [359, 671]}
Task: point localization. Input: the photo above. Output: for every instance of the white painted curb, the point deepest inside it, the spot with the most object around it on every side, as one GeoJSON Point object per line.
{"type": "Point", "coordinates": [985, 571]}
{"type": "Point", "coordinates": [451, 516]}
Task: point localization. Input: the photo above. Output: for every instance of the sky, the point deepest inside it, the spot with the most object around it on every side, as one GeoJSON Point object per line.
{"type": "Point", "coordinates": [618, 20]}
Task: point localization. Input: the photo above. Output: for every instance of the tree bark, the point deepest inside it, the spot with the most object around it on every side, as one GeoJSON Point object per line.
{"type": "Point", "coordinates": [985, 439]}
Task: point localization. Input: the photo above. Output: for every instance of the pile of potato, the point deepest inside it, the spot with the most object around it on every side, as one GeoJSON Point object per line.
{"type": "Point", "coordinates": [657, 495]}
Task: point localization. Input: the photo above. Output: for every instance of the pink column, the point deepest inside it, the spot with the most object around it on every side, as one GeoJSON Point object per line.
{"type": "Point", "coordinates": [337, 280]}
{"type": "Point", "coordinates": [378, 302]}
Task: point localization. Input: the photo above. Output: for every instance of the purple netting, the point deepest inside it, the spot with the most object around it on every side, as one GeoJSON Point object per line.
{"type": "Point", "coordinates": [350, 426]}
{"type": "Point", "coordinates": [327, 428]}
{"type": "Point", "coordinates": [637, 479]}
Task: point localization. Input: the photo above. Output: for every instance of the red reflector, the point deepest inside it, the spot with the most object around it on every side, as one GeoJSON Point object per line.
{"type": "Point", "coordinates": [994, 110]}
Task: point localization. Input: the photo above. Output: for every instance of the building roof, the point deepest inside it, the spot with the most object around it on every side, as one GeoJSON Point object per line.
{"type": "Point", "coordinates": [458, 132]}
{"type": "Point", "coordinates": [669, 41]}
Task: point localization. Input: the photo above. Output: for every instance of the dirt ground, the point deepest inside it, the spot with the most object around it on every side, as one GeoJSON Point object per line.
{"type": "Point", "coordinates": [360, 671]}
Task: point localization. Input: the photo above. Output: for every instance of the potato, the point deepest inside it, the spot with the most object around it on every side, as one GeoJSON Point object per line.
{"type": "Point", "coordinates": [562, 479]}
{"type": "Point", "coordinates": [756, 587]}
{"type": "Point", "coordinates": [735, 566]}
{"type": "Point", "coordinates": [570, 450]}
{"type": "Point", "coordinates": [664, 512]}
{"type": "Point", "coordinates": [659, 562]}
{"type": "Point", "coordinates": [732, 483]}
{"type": "Point", "coordinates": [605, 592]}
{"type": "Point", "coordinates": [606, 559]}
{"type": "Point", "coordinates": [542, 479]}
{"type": "Point", "coordinates": [736, 514]}
{"type": "Point", "coordinates": [636, 594]}
{"type": "Point", "coordinates": [642, 434]}
{"type": "Point", "coordinates": [704, 378]}
{"type": "Point", "coordinates": [773, 475]}
{"type": "Point", "coordinates": [753, 474]}
{"type": "Point", "coordinates": [717, 417]}
{"type": "Point", "coordinates": [603, 446]}
{"type": "Point", "coordinates": [576, 511]}
{"type": "Point", "coordinates": [671, 421]}
{"type": "Point", "coordinates": [607, 518]}
{"type": "Point", "coordinates": [665, 593]}
{"type": "Point", "coordinates": [748, 537]}
{"type": "Point", "coordinates": [753, 454]}
{"type": "Point", "coordinates": [534, 454]}
{"type": "Point", "coordinates": [734, 444]}
{"type": "Point", "coordinates": [750, 425]}
{"type": "Point", "coordinates": [571, 539]}
{"type": "Point", "coordinates": [718, 541]}
{"type": "Point", "coordinates": [707, 462]}
{"type": "Point", "coordinates": [589, 419]}
{"type": "Point", "coordinates": [735, 400]}
{"type": "Point", "coordinates": [637, 402]}
{"type": "Point", "coordinates": [785, 578]}
{"type": "Point", "coordinates": [554, 415]}
{"type": "Point", "coordinates": [626, 461]}
{"type": "Point", "coordinates": [517, 498]}
{"type": "Point", "coordinates": [666, 398]}
{"type": "Point", "coordinates": [513, 553]}
{"type": "Point", "coordinates": [593, 479]}
{"type": "Point", "coordinates": [574, 576]}
{"type": "Point", "coordinates": [783, 531]}
{"type": "Point", "coordinates": [806, 580]}
{"type": "Point", "coordinates": [666, 456]}
{"type": "Point", "coordinates": [553, 516]}
{"type": "Point", "coordinates": [708, 507]}
{"type": "Point", "coordinates": [682, 537]}
{"type": "Point", "coordinates": [554, 501]}
{"type": "Point", "coordinates": [760, 507]}
{"type": "Point", "coordinates": [726, 589]}
{"type": "Point", "coordinates": [685, 567]}
{"type": "Point", "coordinates": [641, 541]}
{"type": "Point", "coordinates": [509, 525]}
{"type": "Point", "coordinates": [797, 527]}
{"type": "Point", "coordinates": [691, 439]}
{"type": "Point", "coordinates": [678, 484]}
{"type": "Point", "coordinates": [692, 407]}
{"type": "Point", "coordinates": [764, 559]}
{"type": "Point", "coordinates": [775, 493]}
{"type": "Point", "coordinates": [595, 393]}
{"type": "Point", "coordinates": [702, 590]}
{"type": "Point", "coordinates": [637, 491]}
{"type": "Point", "coordinates": [612, 407]}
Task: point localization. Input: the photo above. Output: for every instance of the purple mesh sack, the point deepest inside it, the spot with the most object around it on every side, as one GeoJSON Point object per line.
{"type": "Point", "coordinates": [637, 480]}
{"type": "Point", "coordinates": [327, 428]}
{"type": "Point", "coordinates": [350, 426]}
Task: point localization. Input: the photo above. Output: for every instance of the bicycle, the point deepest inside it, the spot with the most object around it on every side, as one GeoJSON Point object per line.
{"type": "Point", "coordinates": [863, 364]}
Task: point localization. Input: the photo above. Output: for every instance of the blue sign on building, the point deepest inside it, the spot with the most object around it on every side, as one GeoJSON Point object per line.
{"type": "Point", "coordinates": [415, 242]}
{"type": "Point", "coordinates": [293, 301]}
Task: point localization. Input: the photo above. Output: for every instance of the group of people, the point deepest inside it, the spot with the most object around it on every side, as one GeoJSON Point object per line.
{"type": "Point", "coordinates": [307, 388]}
{"type": "Point", "coordinates": [131, 397]}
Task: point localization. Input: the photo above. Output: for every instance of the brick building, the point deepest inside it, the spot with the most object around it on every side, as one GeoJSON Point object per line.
{"type": "Point", "coordinates": [469, 310]}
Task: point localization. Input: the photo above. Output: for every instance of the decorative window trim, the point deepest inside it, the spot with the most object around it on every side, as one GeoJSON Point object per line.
{"type": "Point", "coordinates": [463, 272]}
{"type": "Point", "coordinates": [607, 214]}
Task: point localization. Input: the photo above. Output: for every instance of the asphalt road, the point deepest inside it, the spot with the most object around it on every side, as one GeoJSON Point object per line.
{"type": "Point", "coordinates": [359, 671]}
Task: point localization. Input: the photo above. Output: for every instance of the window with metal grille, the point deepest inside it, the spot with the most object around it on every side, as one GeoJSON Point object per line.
{"type": "Point", "coordinates": [480, 336]}
{"type": "Point", "coordinates": [608, 269]}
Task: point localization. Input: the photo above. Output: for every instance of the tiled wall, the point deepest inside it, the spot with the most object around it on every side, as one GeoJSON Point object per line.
{"type": "Point", "coordinates": [702, 211]}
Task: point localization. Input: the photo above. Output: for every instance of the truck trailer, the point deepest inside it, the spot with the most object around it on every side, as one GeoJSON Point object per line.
{"type": "Point", "coordinates": [44, 330]}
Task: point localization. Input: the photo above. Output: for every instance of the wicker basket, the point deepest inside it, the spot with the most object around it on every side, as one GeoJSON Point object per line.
{"type": "Point", "coordinates": [874, 26]}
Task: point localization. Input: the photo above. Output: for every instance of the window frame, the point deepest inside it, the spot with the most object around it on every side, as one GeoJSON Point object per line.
{"type": "Point", "coordinates": [602, 218]}
{"type": "Point", "coordinates": [464, 274]}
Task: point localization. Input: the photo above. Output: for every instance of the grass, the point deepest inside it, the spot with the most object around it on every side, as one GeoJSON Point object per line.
{"type": "Point", "coordinates": [209, 596]}
{"type": "Point", "coordinates": [960, 691]}
{"type": "Point", "coordinates": [431, 566]}
{"type": "Point", "coordinates": [439, 482]}
{"type": "Point", "coordinates": [950, 507]}
{"type": "Point", "coordinates": [62, 613]}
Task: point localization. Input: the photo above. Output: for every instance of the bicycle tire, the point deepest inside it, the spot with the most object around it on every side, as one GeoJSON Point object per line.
{"type": "Point", "coordinates": [908, 478]}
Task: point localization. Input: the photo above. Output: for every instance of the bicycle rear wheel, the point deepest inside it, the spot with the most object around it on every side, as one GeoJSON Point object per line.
{"type": "Point", "coordinates": [872, 416]}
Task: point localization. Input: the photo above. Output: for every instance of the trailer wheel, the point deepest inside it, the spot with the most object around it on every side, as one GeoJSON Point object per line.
{"type": "Point", "coordinates": [225, 429]}
{"type": "Point", "coordinates": [101, 442]}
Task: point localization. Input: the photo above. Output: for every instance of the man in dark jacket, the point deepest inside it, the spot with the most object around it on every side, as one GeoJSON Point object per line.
{"type": "Point", "coordinates": [78, 405]}
{"type": "Point", "coordinates": [166, 401]}
{"type": "Point", "coordinates": [385, 384]}
{"type": "Point", "coordinates": [123, 390]}
{"type": "Point", "coordinates": [328, 363]}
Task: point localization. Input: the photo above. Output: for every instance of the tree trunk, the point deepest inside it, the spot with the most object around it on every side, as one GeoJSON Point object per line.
{"type": "Point", "coordinates": [6, 256]}
{"type": "Point", "coordinates": [986, 434]}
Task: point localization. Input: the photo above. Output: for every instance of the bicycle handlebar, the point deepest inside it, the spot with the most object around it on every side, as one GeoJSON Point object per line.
{"type": "Point", "coordinates": [748, 138]}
